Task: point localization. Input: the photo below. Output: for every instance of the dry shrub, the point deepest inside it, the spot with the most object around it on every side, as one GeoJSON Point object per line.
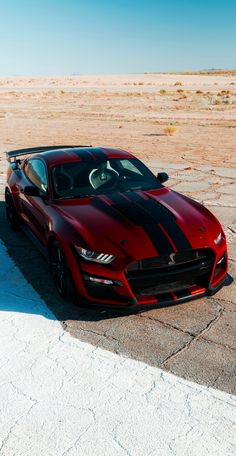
{"type": "Point", "coordinates": [223, 92]}
{"type": "Point", "coordinates": [180, 90]}
{"type": "Point", "coordinates": [170, 130]}
{"type": "Point", "coordinates": [178, 83]}
{"type": "Point", "coordinates": [162, 92]}
{"type": "Point", "coordinates": [199, 92]}
{"type": "Point", "coordinates": [217, 102]}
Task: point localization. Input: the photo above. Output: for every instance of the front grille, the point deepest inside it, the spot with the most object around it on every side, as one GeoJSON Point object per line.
{"type": "Point", "coordinates": [173, 259]}
{"type": "Point", "coordinates": [173, 272]}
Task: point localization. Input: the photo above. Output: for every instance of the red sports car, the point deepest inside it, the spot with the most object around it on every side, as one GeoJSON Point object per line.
{"type": "Point", "coordinates": [112, 232]}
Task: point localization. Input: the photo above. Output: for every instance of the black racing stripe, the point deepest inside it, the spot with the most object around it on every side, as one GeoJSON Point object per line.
{"type": "Point", "coordinates": [163, 216]}
{"type": "Point", "coordinates": [83, 154]}
{"type": "Point", "coordinates": [117, 198]}
{"type": "Point", "coordinates": [137, 215]}
{"type": "Point", "coordinates": [159, 240]}
{"type": "Point", "coordinates": [105, 152]}
{"type": "Point", "coordinates": [98, 153]}
{"type": "Point", "coordinates": [108, 210]}
{"type": "Point", "coordinates": [134, 197]}
{"type": "Point", "coordinates": [89, 154]}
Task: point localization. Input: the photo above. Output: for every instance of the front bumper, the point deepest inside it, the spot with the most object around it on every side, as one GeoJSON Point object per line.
{"type": "Point", "coordinates": [151, 288]}
{"type": "Point", "coordinates": [164, 300]}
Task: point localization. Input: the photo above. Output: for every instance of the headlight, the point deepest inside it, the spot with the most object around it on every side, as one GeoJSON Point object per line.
{"type": "Point", "coordinates": [218, 239]}
{"type": "Point", "coordinates": [103, 258]}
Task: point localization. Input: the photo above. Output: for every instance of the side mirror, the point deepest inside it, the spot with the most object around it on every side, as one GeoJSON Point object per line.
{"type": "Point", "coordinates": [162, 177]}
{"type": "Point", "coordinates": [31, 190]}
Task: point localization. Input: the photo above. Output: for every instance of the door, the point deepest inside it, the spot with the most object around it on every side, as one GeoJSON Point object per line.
{"type": "Point", "coordinates": [34, 209]}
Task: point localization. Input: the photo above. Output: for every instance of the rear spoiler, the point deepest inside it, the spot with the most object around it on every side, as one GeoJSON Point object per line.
{"type": "Point", "coordinates": [13, 154]}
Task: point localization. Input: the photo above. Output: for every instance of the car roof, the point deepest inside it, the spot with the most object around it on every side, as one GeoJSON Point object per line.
{"type": "Point", "coordinates": [55, 157]}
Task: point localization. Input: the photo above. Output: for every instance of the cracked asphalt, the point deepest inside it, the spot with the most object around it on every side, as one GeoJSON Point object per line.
{"type": "Point", "coordinates": [196, 340]}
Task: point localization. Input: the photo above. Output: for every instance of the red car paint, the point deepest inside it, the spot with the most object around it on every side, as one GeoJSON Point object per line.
{"type": "Point", "coordinates": [127, 226]}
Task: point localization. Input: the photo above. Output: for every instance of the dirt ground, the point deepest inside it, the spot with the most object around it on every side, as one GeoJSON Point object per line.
{"type": "Point", "coordinates": [125, 111]}
{"type": "Point", "coordinates": [195, 340]}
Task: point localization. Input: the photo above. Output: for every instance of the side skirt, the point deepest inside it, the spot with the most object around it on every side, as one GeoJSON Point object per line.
{"type": "Point", "coordinates": [39, 246]}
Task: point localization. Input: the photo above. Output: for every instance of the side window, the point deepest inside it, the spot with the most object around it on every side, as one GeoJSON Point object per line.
{"type": "Point", "coordinates": [36, 172]}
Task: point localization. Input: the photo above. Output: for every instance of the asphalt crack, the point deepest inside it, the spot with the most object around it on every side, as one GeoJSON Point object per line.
{"type": "Point", "coordinates": [210, 341]}
{"type": "Point", "coordinates": [209, 325]}
{"type": "Point", "coordinates": [168, 325]}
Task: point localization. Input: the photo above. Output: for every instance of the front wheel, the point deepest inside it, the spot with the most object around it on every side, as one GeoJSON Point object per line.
{"type": "Point", "coordinates": [11, 214]}
{"type": "Point", "coordinates": [61, 273]}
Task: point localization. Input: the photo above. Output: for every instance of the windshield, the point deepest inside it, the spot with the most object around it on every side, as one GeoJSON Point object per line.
{"type": "Point", "coordinates": [96, 177]}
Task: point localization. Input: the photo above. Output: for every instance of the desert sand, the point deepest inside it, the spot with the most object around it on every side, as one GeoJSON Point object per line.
{"type": "Point", "coordinates": [124, 111]}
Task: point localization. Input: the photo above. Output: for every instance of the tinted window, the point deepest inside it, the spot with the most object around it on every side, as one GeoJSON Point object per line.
{"type": "Point", "coordinates": [101, 176]}
{"type": "Point", "coordinates": [128, 164]}
{"type": "Point", "coordinates": [36, 172]}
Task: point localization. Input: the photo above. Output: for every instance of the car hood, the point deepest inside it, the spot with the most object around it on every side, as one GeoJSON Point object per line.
{"type": "Point", "coordinates": [141, 224]}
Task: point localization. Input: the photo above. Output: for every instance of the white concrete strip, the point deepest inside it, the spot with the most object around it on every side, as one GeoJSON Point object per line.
{"type": "Point", "coordinates": [59, 396]}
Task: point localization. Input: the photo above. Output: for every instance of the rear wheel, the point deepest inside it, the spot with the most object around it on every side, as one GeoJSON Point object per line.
{"type": "Point", "coordinates": [61, 273]}
{"type": "Point", "coordinates": [11, 214]}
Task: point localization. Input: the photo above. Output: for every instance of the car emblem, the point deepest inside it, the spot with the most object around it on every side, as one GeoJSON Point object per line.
{"type": "Point", "coordinates": [201, 229]}
{"type": "Point", "coordinates": [172, 260]}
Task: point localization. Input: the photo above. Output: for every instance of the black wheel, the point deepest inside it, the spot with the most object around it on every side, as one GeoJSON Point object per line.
{"type": "Point", "coordinates": [12, 217]}
{"type": "Point", "coordinates": [60, 273]}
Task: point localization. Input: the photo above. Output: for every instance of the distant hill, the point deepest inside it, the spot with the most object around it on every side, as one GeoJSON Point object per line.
{"type": "Point", "coordinates": [207, 72]}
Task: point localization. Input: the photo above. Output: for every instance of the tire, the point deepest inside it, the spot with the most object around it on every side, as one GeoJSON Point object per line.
{"type": "Point", "coordinates": [11, 214]}
{"type": "Point", "coordinates": [61, 274]}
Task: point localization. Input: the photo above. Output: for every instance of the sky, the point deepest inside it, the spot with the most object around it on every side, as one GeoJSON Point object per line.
{"type": "Point", "coordinates": [62, 37]}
